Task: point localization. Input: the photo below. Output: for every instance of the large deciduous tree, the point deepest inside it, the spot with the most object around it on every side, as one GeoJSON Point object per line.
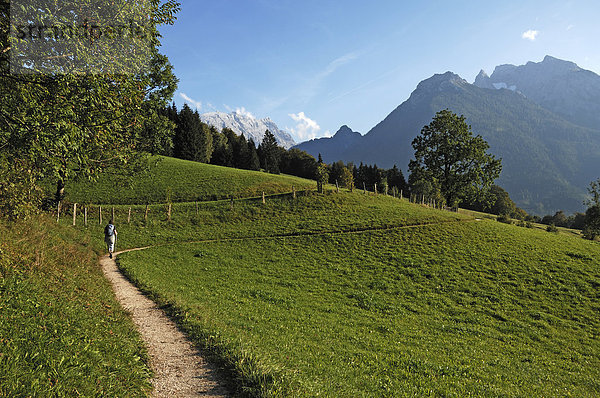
{"type": "Point", "coordinates": [449, 158]}
{"type": "Point", "coordinates": [74, 105]}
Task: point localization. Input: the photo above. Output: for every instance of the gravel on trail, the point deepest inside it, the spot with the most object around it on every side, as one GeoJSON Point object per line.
{"type": "Point", "coordinates": [179, 369]}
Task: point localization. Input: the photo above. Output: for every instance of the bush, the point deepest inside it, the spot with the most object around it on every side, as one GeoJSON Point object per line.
{"type": "Point", "coordinates": [20, 195]}
{"type": "Point", "coordinates": [551, 228]}
{"type": "Point", "coordinates": [504, 218]}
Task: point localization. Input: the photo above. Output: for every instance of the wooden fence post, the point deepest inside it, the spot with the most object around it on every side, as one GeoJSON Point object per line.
{"type": "Point", "coordinates": [74, 214]}
{"type": "Point", "coordinates": [364, 188]}
{"type": "Point", "coordinates": [386, 189]}
{"type": "Point", "coordinates": [400, 194]}
{"type": "Point", "coordinates": [375, 189]}
{"type": "Point", "coordinates": [58, 212]}
{"type": "Point", "coordinates": [146, 213]}
{"type": "Point", "coordinates": [169, 213]}
{"type": "Point", "coordinates": [85, 216]}
{"type": "Point", "coordinates": [337, 187]}
{"type": "Point", "coordinates": [113, 214]}
{"type": "Point", "coordinates": [129, 216]}
{"type": "Point", "coordinates": [263, 198]}
{"type": "Point", "coordinates": [294, 192]}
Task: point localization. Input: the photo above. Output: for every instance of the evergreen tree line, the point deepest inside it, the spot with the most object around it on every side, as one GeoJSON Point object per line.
{"type": "Point", "coordinates": [197, 141]}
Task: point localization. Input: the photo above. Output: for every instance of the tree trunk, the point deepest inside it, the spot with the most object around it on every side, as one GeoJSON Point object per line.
{"type": "Point", "coordinates": [60, 190]}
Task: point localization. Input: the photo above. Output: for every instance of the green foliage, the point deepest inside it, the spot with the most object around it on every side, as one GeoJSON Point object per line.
{"type": "Point", "coordinates": [270, 153]}
{"type": "Point", "coordinates": [298, 163]}
{"type": "Point", "coordinates": [341, 174]}
{"type": "Point", "coordinates": [592, 222]}
{"type": "Point", "coordinates": [551, 228]}
{"type": "Point", "coordinates": [322, 176]}
{"type": "Point", "coordinates": [594, 191]}
{"type": "Point", "coordinates": [346, 180]}
{"type": "Point", "coordinates": [193, 139]}
{"type": "Point", "coordinates": [62, 333]}
{"type": "Point", "coordinates": [66, 123]}
{"type": "Point", "coordinates": [446, 151]}
{"type": "Point", "coordinates": [504, 218]}
{"type": "Point", "coordinates": [19, 192]}
{"type": "Point", "coordinates": [459, 308]}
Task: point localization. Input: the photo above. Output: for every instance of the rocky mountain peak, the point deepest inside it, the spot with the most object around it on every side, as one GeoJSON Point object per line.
{"type": "Point", "coordinates": [483, 80]}
{"type": "Point", "coordinates": [244, 123]}
{"type": "Point", "coordinates": [345, 131]}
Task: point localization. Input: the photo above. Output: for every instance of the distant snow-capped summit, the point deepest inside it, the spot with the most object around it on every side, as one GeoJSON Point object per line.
{"type": "Point", "coordinates": [244, 123]}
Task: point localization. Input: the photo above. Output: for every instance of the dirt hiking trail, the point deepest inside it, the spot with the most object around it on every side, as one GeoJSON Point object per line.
{"type": "Point", "coordinates": [179, 369]}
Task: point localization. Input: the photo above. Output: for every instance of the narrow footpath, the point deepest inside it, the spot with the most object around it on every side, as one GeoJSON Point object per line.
{"type": "Point", "coordinates": [179, 369]}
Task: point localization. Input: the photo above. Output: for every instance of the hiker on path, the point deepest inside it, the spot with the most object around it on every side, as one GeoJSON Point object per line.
{"type": "Point", "coordinates": [110, 237]}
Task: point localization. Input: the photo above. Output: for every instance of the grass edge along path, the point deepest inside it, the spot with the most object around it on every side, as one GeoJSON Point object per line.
{"type": "Point", "coordinates": [62, 333]}
{"type": "Point", "coordinates": [252, 379]}
{"type": "Point", "coordinates": [256, 376]}
{"type": "Point", "coordinates": [178, 368]}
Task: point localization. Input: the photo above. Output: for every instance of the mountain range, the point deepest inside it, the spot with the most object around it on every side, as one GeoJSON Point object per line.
{"type": "Point", "coordinates": [542, 119]}
{"type": "Point", "coordinates": [249, 126]}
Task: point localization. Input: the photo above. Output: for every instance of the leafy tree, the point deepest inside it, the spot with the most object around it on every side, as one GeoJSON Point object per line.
{"type": "Point", "coordinates": [69, 117]}
{"type": "Point", "coordinates": [592, 216]}
{"type": "Point", "coordinates": [577, 221]}
{"type": "Point", "coordinates": [299, 163]}
{"type": "Point", "coordinates": [322, 176]}
{"type": "Point", "coordinates": [158, 129]}
{"type": "Point", "coordinates": [447, 152]}
{"type": "Point", "coordinates": [594, 191]}
{"type": "Point", "coordinates": [592, 222]}
{"type": "Point", "coordinates": [346, 180]}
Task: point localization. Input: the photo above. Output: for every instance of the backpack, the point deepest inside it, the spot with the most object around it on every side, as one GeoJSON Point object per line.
{"type": "Point", "coordinates": [109, 230]}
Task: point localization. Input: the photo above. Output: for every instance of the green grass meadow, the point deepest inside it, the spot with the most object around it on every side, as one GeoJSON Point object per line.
{"type": "Point", "coordinates": [176, 180]}
{"type": "Point", "coordinates": [322, 295]}
{"type": "Point", "coordinates": [361, 302]}
{"type": "Point", "coordinates": [62, 332]}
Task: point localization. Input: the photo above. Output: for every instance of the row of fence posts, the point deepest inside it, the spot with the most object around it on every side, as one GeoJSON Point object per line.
{"type": "Point", "coordinates": [420, 199]}
{"type": "Point", "coordinates": [169, 209]}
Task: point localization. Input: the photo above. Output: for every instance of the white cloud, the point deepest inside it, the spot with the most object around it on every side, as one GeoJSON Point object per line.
{"type": "Point", "coordinates": [195, 104]}
{"type": "Point", "coordinates": [335, 64]}
{"type": "Point", "coordinates": [242, 111]}
{"type": "Point", "coordinates": [530, 35]}
{"type": "Point", "coordinates": [306, 128]}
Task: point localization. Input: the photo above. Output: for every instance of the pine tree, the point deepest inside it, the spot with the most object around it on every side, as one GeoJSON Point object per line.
{"type": "Point", "coordinates": [269, 153]}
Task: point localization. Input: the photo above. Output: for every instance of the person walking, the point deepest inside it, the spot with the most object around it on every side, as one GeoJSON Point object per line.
{"type": "Point", "coordinates": [110, 237]}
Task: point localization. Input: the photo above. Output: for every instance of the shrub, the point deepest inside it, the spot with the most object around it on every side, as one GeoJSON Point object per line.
{"type": "Point", "coordinates": [551, 228]}
{"type": "Point", "coordinates": [504, 218]}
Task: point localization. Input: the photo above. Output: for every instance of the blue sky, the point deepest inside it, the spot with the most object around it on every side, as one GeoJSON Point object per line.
{"type": "Point", "coordinates": [315, 65]}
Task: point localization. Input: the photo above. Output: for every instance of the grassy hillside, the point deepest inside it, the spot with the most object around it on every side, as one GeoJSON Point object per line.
{"type": "Point", "coordinates": [182, 181]}
{"type": "Point", "coordinates": [62, 333]}
{"type": "Point", "coordinates": [361, 302]}
{"type": "Point", "coordinates": [281, 215]}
